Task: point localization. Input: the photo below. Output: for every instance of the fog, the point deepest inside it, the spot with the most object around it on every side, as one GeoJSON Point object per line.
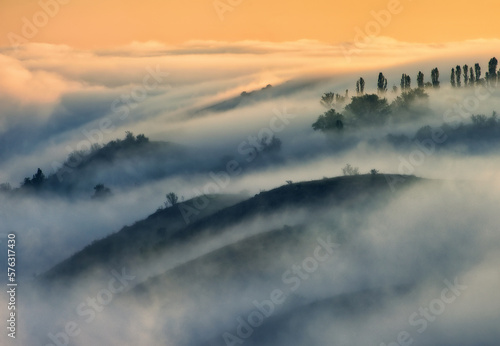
{"type": "Point", "coordinates": [396, 247]}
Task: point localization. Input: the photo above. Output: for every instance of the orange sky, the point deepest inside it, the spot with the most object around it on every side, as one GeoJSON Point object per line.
{"type": "Point", "coordinates": [109, 23]}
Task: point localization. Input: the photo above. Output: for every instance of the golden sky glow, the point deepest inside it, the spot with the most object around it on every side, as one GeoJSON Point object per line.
{"type": "Point", "coordinates": [109, 23]}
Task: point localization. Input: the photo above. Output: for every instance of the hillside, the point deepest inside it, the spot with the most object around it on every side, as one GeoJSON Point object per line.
{"type": "Point", "coordinates": [164, 231]}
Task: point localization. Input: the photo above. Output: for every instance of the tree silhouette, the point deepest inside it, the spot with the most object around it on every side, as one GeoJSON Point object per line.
{"type": "Point", "coordinates": [171, 199]}
{"type": "Point", "coordinates": [368, 109]}
{"type": "Point", "coordinates": [452, 78]}
{"type": "Point", "coordinates": [101, 192]}
{"type": "Point", "coordinates": [327, 100]}
{"type": "Point", "coordinates": [36, 181]}
{"type": "Point", "coordinates": [477, 69]}
{"type": "Point", "coordinates": [405, 82]}
{"type": "Point", "coordinates": [330, 120]}
{"type": "Point", "coordinates": [420, 79]}
{"type": "Point", "coordinates": [350, 170]}
{"type": "Point", "coordinates": [492, 71]}
{"type": "Point", "coordinates": [360, 86]}
{"type": "Point", "coordinates": [466, 75]}
{"type": "Point", "coordinates": [381, 83]}
{"type": "Point", "coordinates": [459, 76]}
{"type": "Point", "coordinates": [435, 77]}
{"type": "Point", "coordinates": [472, 78]}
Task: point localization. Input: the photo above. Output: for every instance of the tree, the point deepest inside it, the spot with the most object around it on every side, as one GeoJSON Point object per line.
{"type": "Point", "coordinates": [349, 170]}
{"type": "Point", "coordinates": [330, 120]}
{"type": "Point", "coordinates": [38, 178]}
{"type": "Point", "coordinates": [172, 199]}
{"type": "Point", "coordinates": [101, 192]}
{"type": "Point", "coordinates": [466, 75]}
{"type": "Point", "coordinates": [368, 109]}
{"type": "Point", "coordinates": [452, 78]}
{"type": "Point", "coordinates": [405, 82]}
{"type": "Point", "coordinates": [360, 87]}
{"type": "Point", "coordinates": [36, 181]}
{"type": "Point", "coordinates": [477, 69]}
{"type": "Point", "coordinates": [374, 172]}
{"type": "Point", "coordinates": [141, 138]}
{"type": "Point", "coordinates": [472, 78]}
{"type": "Point", "coordinates": [381, 83]}
{"type": "Point", "coordinates": [435, 77]}
{"type": "Point", "coordinates": [492, 71]}
{"type": "Point", "coordinates": [327, 100]}
{"type": "Point", "coordinates": [408, 98]}
{"type": "Point", "coordinates": [420, 79]}
{"type": "Point", "coordinates": [459, 76]}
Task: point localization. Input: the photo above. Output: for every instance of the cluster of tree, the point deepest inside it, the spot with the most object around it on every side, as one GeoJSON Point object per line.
{"type": "Point", "coordinates": [405, 83]}
{"type": "Point", "coordinates": [481, 135]}
{"type": "Point", "coordinates": [36, 182]}
{"type": "Point", "coordinates": [472, 76]}
{"type": "Point", "coordinates": [39, 181]}
{"type": "Point", "coordinates": [371, 109]}
{"type": "Point", "coordinates": [367, 109]}
{"type": "Point", "coordinates": [330, 99]}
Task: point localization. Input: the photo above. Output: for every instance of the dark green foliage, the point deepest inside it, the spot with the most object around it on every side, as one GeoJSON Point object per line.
{"type": "Point", "coordinates": [101, 192]}
{"type": "Point", "coordinates": [477, 69]}
{"type": "Point", "coordinates": [459, 76]}
{"type": "Point", "coordinates": [350, 170]}
{"type": "Point", "coordinates": [36, 181]}
{"type": "Point", "coordinates": [360, 86]}
{"type": "Point", "coordinates": [420, 79]}
{"type": "Point", "coordinates": [330, 120]}
{"type": "Point", "coordinates": [435, 77]}
{"type": "Point", "coordinates": [466, 75]}
{"type": "Point", "coordinates": [172, 199]}
{"type": "Point", "coordinates": [492, 72]}
{"type": "Point", "coordinates": [374, 172]}
{"type": "Point", "coordinates": [368, 109]}
{"type": "Point", "coordinates": [472, 78]}
{"type": "Point", "coordinates": [407, 98]}
{"type": "Point", "coordinates": [327, 100]}
{"type": "Point", "coordinates": [381, 83]}
{"type": "Point", "coordinates": [452, 78]}
{"type": "Point", "coordinates": [405, 82]}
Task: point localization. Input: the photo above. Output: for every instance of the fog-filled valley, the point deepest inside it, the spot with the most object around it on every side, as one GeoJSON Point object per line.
{"type": "Point", "coordinates": [229, 194]}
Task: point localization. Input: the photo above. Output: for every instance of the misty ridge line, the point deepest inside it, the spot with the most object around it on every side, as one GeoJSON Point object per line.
{"type": "Point", "coordinates": [452, 118]}
{"type": "Point", "coordinates": [121, 106]}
